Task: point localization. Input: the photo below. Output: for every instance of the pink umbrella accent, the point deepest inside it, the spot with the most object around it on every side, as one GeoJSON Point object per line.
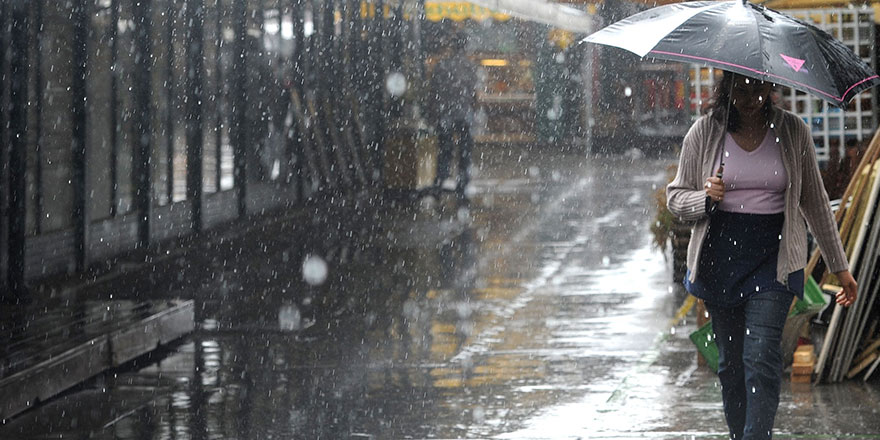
{"type": "Point", "coordinates": [795, 63]}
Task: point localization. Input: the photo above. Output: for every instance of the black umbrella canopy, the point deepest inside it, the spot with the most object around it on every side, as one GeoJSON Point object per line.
{"type": "Point", "coordinates": [748, 39]}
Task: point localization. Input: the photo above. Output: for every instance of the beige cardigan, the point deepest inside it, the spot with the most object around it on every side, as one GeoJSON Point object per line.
{"type": "Point", "coordinates": [805, 198]}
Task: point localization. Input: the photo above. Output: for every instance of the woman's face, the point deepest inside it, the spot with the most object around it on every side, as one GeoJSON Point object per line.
{"type": "Point", "coordinates": [749, 95]}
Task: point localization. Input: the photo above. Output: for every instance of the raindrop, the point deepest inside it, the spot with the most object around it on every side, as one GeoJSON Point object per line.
{"type": "Point", "coordinates": [606, 260]}
{"type": "Point", "coordinates": [479, 414]}
{"type": "Point", "coordinates": [314, 270]}
{"type": "Point", "coordinates": [289, 317]}
{"type": "Point", "coordinates": [464, 310]}
{"type": "Point", "coordinates": [396, 84]}
{"type": "Point", "coordinates": [309, 25]}
{"type": "Point", "coordinates": [370, 318]}
{"type": "Point", "coordinates": [464, 328]}
{"type": "Point", "coordinates": [411, 310]}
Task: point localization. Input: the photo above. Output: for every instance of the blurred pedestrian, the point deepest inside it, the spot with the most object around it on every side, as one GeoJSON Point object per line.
{"type": "Point", "coordinates": [748, 249]}
{"type": "Point", "coordinates": [453, 86]}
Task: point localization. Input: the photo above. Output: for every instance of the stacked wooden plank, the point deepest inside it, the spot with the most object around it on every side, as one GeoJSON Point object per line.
{"type": "Point", "coordinates": [803, 365]}
{"type": "Point", "coordinates": [852, 331]}
{"type": "Point", "coordinates": [867, 360]}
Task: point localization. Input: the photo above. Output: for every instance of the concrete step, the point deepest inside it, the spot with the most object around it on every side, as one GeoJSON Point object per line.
{"type": "Point", "coordinates": [48, 349]}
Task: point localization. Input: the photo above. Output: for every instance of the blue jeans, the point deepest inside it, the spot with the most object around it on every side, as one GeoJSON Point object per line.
{"type": "Point", "coordinates": [750, 361]}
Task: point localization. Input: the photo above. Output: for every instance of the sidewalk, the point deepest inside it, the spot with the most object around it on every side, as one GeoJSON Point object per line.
{"type": "Point", "coordinates": [51, 346]}
{"type": "Point", "coordinates": [76, 327]}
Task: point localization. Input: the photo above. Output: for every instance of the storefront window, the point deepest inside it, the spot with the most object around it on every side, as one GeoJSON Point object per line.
{"type": "Point", "coordinates": [224, 51]}
{"type": "Point", "coordinates": [50, 160]}
{"type": "Point", "coordinates": [177, 87]}
{"type": "Point", "coordinates": [128, 137]}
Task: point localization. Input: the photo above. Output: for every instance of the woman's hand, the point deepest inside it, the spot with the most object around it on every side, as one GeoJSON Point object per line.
{"type": "Point", "coordinates": [847, 296]}
{"type": "Point", "coordinates": [714, 187]}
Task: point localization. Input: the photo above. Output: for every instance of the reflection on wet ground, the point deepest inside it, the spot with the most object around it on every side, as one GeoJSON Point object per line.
{"type": "Point", "coordinates": [542, 311]}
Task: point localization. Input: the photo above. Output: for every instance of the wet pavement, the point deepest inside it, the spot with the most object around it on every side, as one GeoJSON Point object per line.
{"type": "Point", "coordinates": [541, 311]}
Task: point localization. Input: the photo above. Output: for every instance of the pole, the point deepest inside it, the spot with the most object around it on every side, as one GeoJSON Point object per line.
{"type": "Point", "coordinates": [79, 147]}
{"type": "Point", "coordinates": [4, 161]}
{"type": "Point", "coordinates": [195, 17]}
{"type": "Point", "coordinates": [17, 111]}
{"type": "Point", "coordinates": [143, 148]}
{"type": "Point", "coordinates": [237, 121]}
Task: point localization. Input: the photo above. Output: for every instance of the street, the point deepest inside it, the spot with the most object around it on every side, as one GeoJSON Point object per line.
{"type": "Point", "coordinates": [541, 311]}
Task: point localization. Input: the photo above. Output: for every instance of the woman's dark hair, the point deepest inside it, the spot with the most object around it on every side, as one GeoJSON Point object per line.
{"type": "Point", "coordinates": [721, 102]}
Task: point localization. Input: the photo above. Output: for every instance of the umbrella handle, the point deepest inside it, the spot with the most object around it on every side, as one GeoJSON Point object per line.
{"type": "Point", "coordinates": [713, 205]}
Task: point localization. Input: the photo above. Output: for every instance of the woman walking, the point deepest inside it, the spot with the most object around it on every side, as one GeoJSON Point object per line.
{"type": "Point", "coordinates": [748, 249]}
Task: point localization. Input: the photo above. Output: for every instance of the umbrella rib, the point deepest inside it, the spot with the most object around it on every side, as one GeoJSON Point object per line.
{"type": "Point", "coordinates": [739, 66]}
{"type": "Point", "coordinates": [760, 40]}
{"type": "Point", "coordinates": [860, 83]}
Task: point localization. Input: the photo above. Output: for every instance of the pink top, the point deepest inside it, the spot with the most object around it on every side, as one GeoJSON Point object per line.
{"type": "Point", "coordinates": [754, 181]}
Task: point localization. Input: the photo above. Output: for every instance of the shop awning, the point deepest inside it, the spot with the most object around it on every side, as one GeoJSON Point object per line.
{"type": "Point", "coordinates": [541, 11]}
{"type": "Point", "coordinates": [459, 11]}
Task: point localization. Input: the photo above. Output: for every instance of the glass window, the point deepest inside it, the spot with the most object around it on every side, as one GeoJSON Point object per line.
{"type": "Point", "coordinates": [53, 152]}
{"type": "Point", "coordinates": [210, 102]}
{"type": "Point", "coordinates": [177, 84]}
{"type": "Point", "coordinates": [161, 97]}
{"type": "Point", "coordinates": [125, 76]}
{"type": "Point", "coordinates": [273, 89]}
{"type": "Point", "coordinates": [177, 87]}
{"type": "Point", "coordinates": [262, 89]}
{"type": "Point", "coordinates": [100, 126]}
{"type": "Point", "coordinates": [226, 156]}
{"type": "Point", "coordinates": [33, 206]}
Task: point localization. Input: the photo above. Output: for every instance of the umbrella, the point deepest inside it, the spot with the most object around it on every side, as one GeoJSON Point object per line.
{"type": "Point", "coordinates": [748, 39]}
